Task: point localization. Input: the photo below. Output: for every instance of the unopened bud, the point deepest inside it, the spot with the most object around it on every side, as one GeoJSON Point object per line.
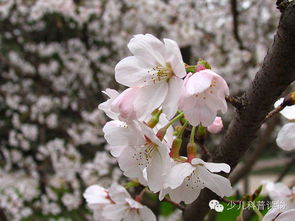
{"type": "Point", "coordinates": [202, 65]}
{"type": "Point", "coordinates": [289, 100]}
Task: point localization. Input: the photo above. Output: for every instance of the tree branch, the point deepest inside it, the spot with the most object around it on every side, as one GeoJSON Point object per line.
{"type": "Point", "coordinates": [275, 75]}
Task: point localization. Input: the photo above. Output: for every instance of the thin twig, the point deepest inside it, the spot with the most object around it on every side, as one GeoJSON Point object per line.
{"type": "Point", "coordinates": [287, 169]}
{"type": "Point", "coordinates": [274, 112]}
{"type": "Point", "coordinates": [179, 206]}
{"type": "Point", "coordinates": [235, 14]}
{"type": "Point", "coordinates": [205, 151]}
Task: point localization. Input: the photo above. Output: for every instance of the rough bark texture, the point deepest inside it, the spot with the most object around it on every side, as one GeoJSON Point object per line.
{"type": "Point", "coordinates": [276, 73]}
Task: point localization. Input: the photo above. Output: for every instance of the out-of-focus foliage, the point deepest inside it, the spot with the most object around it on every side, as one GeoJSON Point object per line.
{"type": "Point", "coordinates": [55, 58]}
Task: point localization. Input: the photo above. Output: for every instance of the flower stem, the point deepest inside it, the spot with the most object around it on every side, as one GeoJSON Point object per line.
{"type": "Point", "coordinates": [161, 133]}
{"type": "Point", "coordinates": [192, 137]}
{"type": "Point", "coordinates": [176, 145]}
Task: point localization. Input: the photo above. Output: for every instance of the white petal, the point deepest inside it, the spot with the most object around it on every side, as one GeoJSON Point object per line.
{"type": "Point", "coordinates": [118, 133]}
{"type": "Point", "coordinates": [96, 195]}
{"type": "Point", "coordinates": [132, 163]}
{"type": "Point", "coordinates": [287, 216]}
{"type": "Point", "coordinates": [132, 72]}
{"type": "Point", "coordinates": [177, 174]}
{"type": "Point", "coordinates": [170, 104]}
{"type": "Point", "coordinates": [173, 56]}
{"type": "Point", "coordinates": [146, 214]}
{"type": "Point", "coordinates": [160, 162]}
{"type": "Point", "coordinates": [189, 190]}
{"type": "Point", "coordinates": [212, 167]}
{"type": "Point", "coordinates": [116, 150]}
{"type": "Point", "coordinates": [148, 49]}
{"type": "Point", "coordinates": [288, 112]}
{"type": "Point", "coordinates": [118, 193]}
{"type": "Point", "coordinates": [114, 212]}
{"type": "Point", "coordinates": [112, 93]}
{"type": "Point", "coordinates": [216, 183]}
{"type": "Point", "coordinates": [278, 191]}
{"type": "Point", "coordinates": [286, 137]}
{"type": "Point", "coordinates": [149, 98]}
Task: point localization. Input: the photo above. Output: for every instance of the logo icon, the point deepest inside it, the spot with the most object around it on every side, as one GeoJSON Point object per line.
{"type": "Point", "coordinates": [214, 204]}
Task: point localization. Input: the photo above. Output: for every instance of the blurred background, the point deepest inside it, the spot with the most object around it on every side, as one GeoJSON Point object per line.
{"type": "Point", "coordinates": [56, 56]}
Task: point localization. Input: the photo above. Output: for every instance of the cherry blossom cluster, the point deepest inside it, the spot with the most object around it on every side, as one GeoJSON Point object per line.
{"type": "Point", "coordinates": [55, 57]}
{"type": "Point", "coordinates": [163, 90]}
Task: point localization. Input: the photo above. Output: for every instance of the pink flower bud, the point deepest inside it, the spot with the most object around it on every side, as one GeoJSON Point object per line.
{"type": "Point", "coordinates": [124, 104]}
{"type": "Point", "coordinates": [216, 126]}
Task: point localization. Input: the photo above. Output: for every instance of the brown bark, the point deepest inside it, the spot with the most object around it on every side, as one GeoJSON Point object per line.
{"type": "Point", "coordinates": [275, 75]}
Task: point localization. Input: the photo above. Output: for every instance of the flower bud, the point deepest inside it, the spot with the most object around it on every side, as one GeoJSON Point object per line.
{"type": "Point", "coordinates": [289, 100]}
{"type": "Point", "coordinates": [216, 126]}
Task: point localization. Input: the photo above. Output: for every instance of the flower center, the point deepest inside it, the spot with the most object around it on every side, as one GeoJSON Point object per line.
{"type": "Point", "coordinates": [162, 73]}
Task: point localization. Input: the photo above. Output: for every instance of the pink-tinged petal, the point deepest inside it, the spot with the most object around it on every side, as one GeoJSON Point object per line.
{"type": "Point", "coordinates": [132, 72]}
{"type": "Point", "coordinates": [149, 98]}
{"type": "Point", "coordinates": [146, 214]}
{"type": "Point", "coordinates": [216, 126]}
{"type": "Point", "coordinates": [177, 174]}
{"type": "Point", "coordinates": [199, 114]}
{"type": "Point", "coordinates": [170, 104]}
{"type": "Point", "coordinates": [288, 112]}
{"type": "Point", "coordinates": [174, 58]}
{"type": "Point", "coordinates": [198, 83]}
{"type": "Point", "coordinates": [203, 94]}
{"type": "Point", "coordinates": [118, 193]}
{"type": "Point", "coordinates": [106, 106]}
{"type": "Point", "coordinates": [148, 48]}
{"type": "Point", "coordinates": [96, 195]}
{"type": "Point", "coordinates": [286, 137]}
{"type": "Point", "coordinates": [124, 104]}
{"type": "Point", "coordinates": [114, 212]}
{"type": "Point", "coordinates": [216, 183]}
